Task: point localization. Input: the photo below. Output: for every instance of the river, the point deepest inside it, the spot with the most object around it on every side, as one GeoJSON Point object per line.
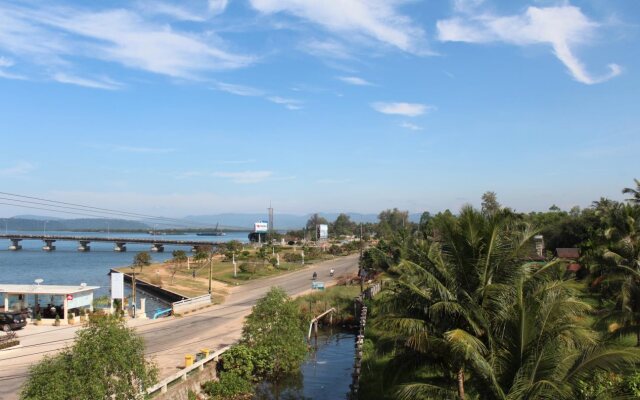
{"type": "Point", "coordinates": [325, 375]}
{"type": "Point", "coordinates": [67, 266]}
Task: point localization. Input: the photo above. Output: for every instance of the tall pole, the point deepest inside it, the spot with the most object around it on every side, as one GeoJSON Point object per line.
{"type": "Point", "coordinates": [210, 271]}
{"type": "Point", "coordinates": [133, 291]}
{"type": "Point", "coordinates": [360, 270]}
{"type": "Point", "coordinates": [44, 229]}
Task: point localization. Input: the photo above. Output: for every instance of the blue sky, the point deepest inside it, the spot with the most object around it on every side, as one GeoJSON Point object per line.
{"type": "Point", "coordinates": [199, 107]}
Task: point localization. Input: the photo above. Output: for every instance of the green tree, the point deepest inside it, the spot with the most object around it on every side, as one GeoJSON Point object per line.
{"type": "Point", "coordinates": [275, 329]}
{"type": "Point", "coordinates": [313, 222]}
{"type": "Point", "coordinates": [106, 362]}
{"type": "Point", "coordinates": [141, 259]}
{"type": "Point", "coordinates": [634, 192]}
{"type": "Point", "coordinates": [343, 226]}
{"type": "Point", "coordinates": [392, 221]}
{"type": "Point", "coordinates": [471, 318]}
{"type": "Point", "coordinates": [490, 204]}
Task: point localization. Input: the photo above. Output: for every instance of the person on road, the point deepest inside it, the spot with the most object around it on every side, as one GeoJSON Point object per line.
{"type": "Point", "coordinates": [315, 275]}
{"type": "Point", "coordinates": [331, 272]}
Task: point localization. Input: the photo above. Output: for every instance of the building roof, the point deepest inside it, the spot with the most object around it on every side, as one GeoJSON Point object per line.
{"type": "Point", "coordinates": [568, 252]}
{"type": "Point", "coordinates": [45, 289]}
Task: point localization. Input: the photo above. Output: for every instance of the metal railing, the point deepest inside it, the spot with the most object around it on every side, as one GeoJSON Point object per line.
{"type": "Point", "coordinates": [181, 375]}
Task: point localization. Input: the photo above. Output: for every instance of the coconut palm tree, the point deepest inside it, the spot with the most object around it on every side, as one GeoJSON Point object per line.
{"type": "Point", "coordinates": [635, 193]}
{"type": "Point", "coordinates": [470, 318]}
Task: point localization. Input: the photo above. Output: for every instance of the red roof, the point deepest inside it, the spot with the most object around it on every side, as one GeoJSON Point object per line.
{"type": "Point", "coordinates": [568, 252]}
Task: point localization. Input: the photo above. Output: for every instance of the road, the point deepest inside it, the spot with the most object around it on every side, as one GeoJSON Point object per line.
{"type": "Point", "coordinates": [168, 340]}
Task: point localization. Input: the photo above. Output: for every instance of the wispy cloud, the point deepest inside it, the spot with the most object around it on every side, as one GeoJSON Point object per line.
{"type": "Point", "coordinates": [149, 150]}
{"type": "Point", "coordinates": [563, 28]}
{"type": "Point", "coordinates": [100, 83]}
{"type": "Point", "coordinates": [239, 90]}
{"type": "Point", "coordinates": [248, 91]}
{"type": "Point", "coordinates": [245, 176]}
{"type": "Point", "coordinates": [7, 63]}
{"type": "Point", "coordinates": [217, 6]}
{"type": "Point", "coordinates": [291, 104]}
{"type": "Point", "coordinates": [354, 80]}
{"type": "Point", "coordinates": [20, 168]}
{"type": "Point", "coordinates": [171, 10]}
{"type": "Point", "coordinates": [53, 37]}
{"type": "Point", "coordinates": [410, 126]}
{"type": "Point", "coordinates": [406, 109]}
{"type": "Point", "coordinates": [378, 20]}
{"type": "Point", "coordinates": [326, 49]}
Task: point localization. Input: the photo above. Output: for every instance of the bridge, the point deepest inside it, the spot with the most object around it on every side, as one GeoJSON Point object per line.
{"type": "Point", "coordinates": [157, 243]}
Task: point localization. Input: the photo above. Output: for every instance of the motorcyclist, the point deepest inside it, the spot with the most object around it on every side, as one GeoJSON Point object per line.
{"type": "Point", "coordinates": [315, 275]}
{"type": "Point", "coordinates": [331, 272]}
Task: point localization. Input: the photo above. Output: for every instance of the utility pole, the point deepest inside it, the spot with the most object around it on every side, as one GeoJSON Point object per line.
{"type": "Point", "coordinates": [210, 271]}
{"type": "Point", "coordinates": [361, 270]}
{"type": "Point", "coordinates": [133, 290]}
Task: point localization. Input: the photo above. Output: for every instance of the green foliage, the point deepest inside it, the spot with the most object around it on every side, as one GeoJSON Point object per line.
{"type": "Point", "coordinates": [293, 257]}
{"type": "Point", "coordinates": [274, 329]}
{"type": "Point", "coordinates": [179, 256]}
{"type": "Point", "coordinates": [141, 259]}
{"type": "Point", "coordinates": [392, 221]}
{"type": "Point", "coordinates": [239, 360]}
{"type": "Point", "coordinates": [313, 222]}
{"type": "Point", "coordinates": [106, 361]}
{"type": "Point", "coordinates": [229, 387]}
{"type": "Point", "coordinates": [343, 226]}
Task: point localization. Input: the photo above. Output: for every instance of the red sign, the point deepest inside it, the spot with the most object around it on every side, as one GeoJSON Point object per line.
{"type": "Point", "coordinates": [69, 297]}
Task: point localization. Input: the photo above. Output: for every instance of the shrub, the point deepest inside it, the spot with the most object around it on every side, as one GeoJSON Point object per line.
{"type": "Point", "coordinates": [229, 386]}
{"type": "Point", "coordinates": [239, 360]}
{"type": "Point", "coordinates": [293, 257]}
{"type": "Point", "coordinates": [248, 268]}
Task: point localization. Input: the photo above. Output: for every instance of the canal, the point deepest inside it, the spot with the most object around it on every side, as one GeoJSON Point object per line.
{"type": "Point", "coordinates": [325, 375]}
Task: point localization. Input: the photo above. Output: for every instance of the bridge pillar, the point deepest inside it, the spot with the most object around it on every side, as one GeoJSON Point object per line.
{"type": "Point", "coordinates": [15, 244]}
{"type": "Point", "coordinates": [120, 246]}
{"type": "Point", "coordinates": [157, 248]}
{"type": "Point", "coordinates": [49, 245]}
{"type": "Point", "coordinates": [84, 245]}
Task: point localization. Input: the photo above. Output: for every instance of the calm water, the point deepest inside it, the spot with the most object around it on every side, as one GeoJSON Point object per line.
{"type": "Point", "coordinates": [326, 374]}
{"type": "Point", "coordinates": [67, 266]}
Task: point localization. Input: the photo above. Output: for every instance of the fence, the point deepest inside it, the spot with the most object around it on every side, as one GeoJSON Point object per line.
{"type": "Point", "coordinates": [181, 375]}
{"type": "Point", "coordinates": [368, 293]}
{"type": "Point", "coordinates": [191, 304]}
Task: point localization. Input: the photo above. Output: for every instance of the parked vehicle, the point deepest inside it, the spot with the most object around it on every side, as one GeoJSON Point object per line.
{"type": "Point", "coordinates": [10, 321]}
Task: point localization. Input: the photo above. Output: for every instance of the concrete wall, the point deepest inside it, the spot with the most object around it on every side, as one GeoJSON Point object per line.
{"type": "Point", "coordinates": [191, 304]}
{"type": "Point", "coordinates": [180, 391]}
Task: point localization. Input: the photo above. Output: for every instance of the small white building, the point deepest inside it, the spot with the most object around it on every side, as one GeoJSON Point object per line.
{"type": "Point", "coordinates": [47, 300]}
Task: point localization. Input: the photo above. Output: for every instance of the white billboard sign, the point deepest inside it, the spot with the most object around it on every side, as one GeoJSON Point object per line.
{"type": "Point", "coordinates": [260, 227]}
{"type": "Point", "coordinates": [117, 285]}
{"type": "Point", "coordinates": [323, 232]}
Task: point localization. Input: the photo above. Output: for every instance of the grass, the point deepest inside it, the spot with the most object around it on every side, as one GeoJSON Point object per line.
{"type": "Point", "coordinates": [339, 297]}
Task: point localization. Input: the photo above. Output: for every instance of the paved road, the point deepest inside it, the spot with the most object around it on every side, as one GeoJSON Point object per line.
{"type": "Point", "coordinates": [168, 340]}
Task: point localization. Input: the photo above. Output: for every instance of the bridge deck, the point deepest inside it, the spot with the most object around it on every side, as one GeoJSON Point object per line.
{"type": "Point", "coordinates": [156, 240]}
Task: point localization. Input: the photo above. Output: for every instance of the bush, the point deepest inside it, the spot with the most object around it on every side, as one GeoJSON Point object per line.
{"type": "Point", "coordinates": [249, 268]}
{"type": "Point", "coordinates": [293, 257]}
{"type": "Point", "coordinates": [239, 360]}
{"type": "Point", "coordinates": [229, 386]}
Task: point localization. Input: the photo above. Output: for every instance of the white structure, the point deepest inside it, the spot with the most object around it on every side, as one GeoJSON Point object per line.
{"type": "Point", "coordinates": [41, 297]}
{"type": "Point", "coordinates": [261, 227]}
{"type": "Point", "coordinates": [323, 232]}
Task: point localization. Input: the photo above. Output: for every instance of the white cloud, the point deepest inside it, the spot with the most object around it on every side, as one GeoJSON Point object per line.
{"type": "Point", "coordinates": [217, 6]}
{"type": "Point", "coordinates": [20, 168]}
{"type": "Point", "coordinates": [354, 80]}
{"type": "Point", "coordinates": [149, 150]}
{"type": "Point", "coordinates": [245, 176]}
{"type": "Point", "coordinates": [239, 90]}
{"type": "Point", "coordinates": [102, 83]}
{"type": "Point", "coordinates": [291, 104]}
{"type": "Point", "coordinates": [6, 62]}
{"type": "Point", "coordinates": [406, 109]}
{"type": "Point", "coordinates": [374, 19]}
{"type": "Point", "coordinates": [410, 126]}
{"type": "Point", "coordinates": [171, 10]}
{"type": "Point", "coordinates": [51, 36]}
{"type": "Point", "coordinates": [326, 49]}
{"type": "Point", "coordinates": [561, 27]}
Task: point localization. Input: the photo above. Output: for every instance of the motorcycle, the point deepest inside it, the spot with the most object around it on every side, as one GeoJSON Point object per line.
{"type": "Point", "coordinates": [315, 276]}
{"type": "Point", "coordinates": [331, 273]}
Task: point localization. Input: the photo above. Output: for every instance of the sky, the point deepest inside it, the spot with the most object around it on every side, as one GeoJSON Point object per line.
{"type": "Point", "coordinates": [202, 107]}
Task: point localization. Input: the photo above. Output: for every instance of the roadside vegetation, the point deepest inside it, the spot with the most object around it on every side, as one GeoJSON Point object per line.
{"type": "Point", "coordinates": [106, 361]}
{"type": "Point", "coordinates": [470, 311]}
{"type": "Point", "coordinates": [272, 347]}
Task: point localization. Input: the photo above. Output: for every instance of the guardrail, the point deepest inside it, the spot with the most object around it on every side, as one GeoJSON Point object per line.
{"type": "Point", "coordinates": [191, 304]}
{"type": "Point", "coordinates": [181, 375]}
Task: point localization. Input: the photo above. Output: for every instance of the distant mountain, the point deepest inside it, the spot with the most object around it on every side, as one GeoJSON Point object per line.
{"type": "Point", "coordinates": [25, 223]}
{"type": "Point", "coordinates": [280, 221]}
{"type": "Point", "coordinates": [37, 217]}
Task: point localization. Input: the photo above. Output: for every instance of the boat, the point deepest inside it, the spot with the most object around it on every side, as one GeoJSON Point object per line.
{"type": "Point", "coordinates": [215, 232]}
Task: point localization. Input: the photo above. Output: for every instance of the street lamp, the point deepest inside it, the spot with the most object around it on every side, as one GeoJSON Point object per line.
{"type": "Point", "coordinates": [44, 229]}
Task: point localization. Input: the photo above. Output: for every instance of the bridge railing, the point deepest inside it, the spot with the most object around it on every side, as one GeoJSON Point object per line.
{"type": "Point", "coordinates": [181, 375]}
{"type": "Point", "coordinates": [191, 304]}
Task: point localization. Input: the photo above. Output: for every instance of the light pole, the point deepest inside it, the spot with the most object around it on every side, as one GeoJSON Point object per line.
{"type": "Point", "coordinates": [44, 229]}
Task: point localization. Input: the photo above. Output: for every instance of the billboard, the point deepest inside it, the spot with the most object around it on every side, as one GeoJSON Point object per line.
{"type": "Point", "coordinates": [260, 227]}
{"type": "Point", "coordinates": [323, 232]}
{"type": "Point", "coordinates": [117, 285]}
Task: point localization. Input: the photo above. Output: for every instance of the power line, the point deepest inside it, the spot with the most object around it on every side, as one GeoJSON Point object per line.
{"type": "Point", "coordinates": [97, 209]}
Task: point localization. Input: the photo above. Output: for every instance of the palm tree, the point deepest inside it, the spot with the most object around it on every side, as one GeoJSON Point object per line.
{"type": "Point", "coordinates": [473, 318]}
{"type": "Point", "coordinates": [635, 193]}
